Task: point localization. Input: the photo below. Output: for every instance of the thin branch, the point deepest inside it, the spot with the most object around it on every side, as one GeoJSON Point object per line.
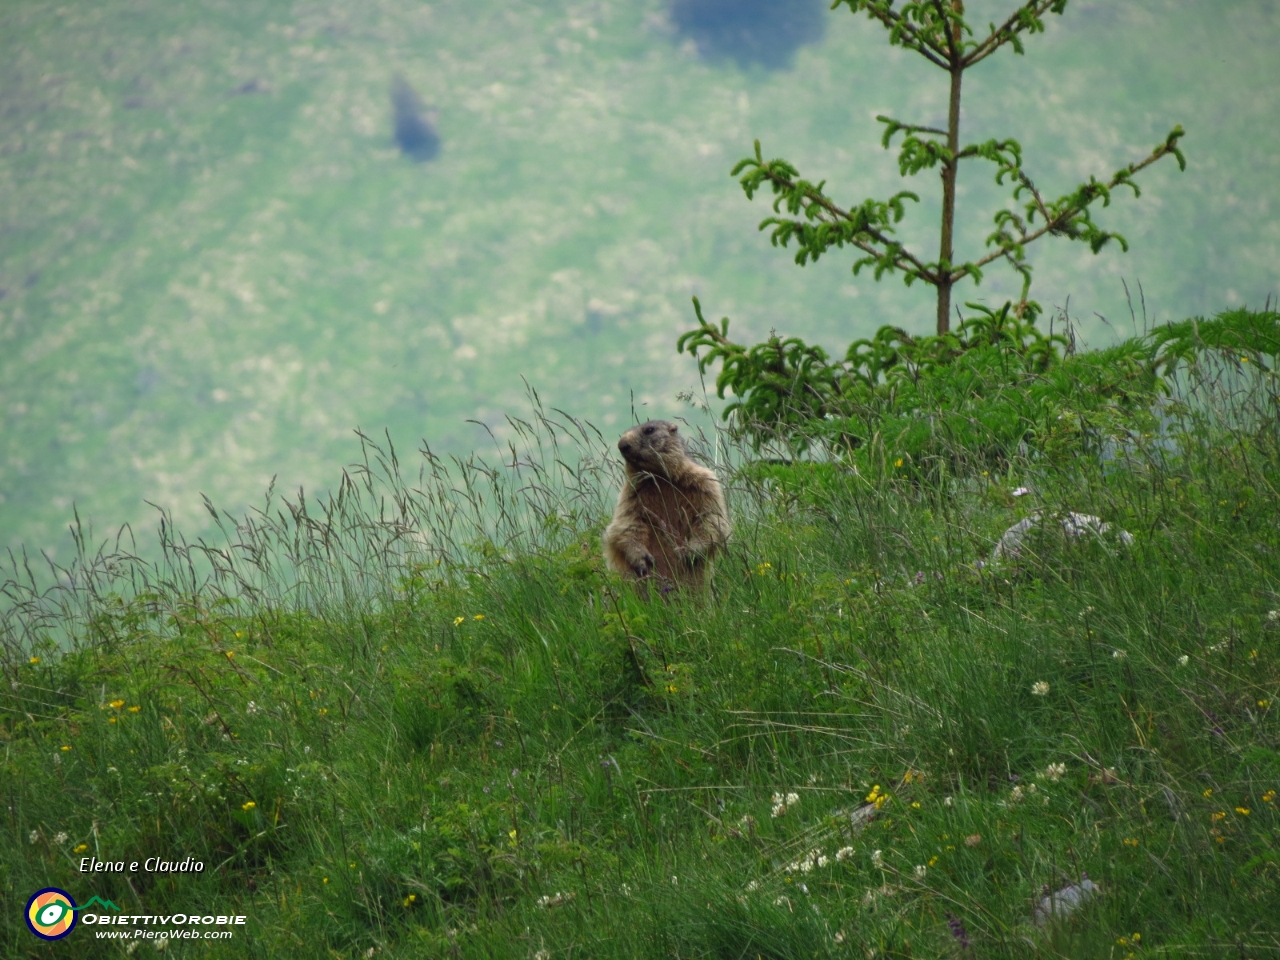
{"type": "Point", "coordinates": [915, 40]}
{"type": "Point", "coordinates": [1006, 31]}
{"type": "Point", "coordinates": [1065, 215]}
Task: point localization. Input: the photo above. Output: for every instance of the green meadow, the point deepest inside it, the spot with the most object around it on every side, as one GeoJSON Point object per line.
{"type": "Point", "coordinates": [216, 265]}
{"type": "Point", "coordinates": [382, 687]}
{"type": "Point", "coordinates": [419, 719]}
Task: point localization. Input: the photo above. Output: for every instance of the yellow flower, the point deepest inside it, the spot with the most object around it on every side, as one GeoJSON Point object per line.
{"type": "Point", "coordinates": [134, 709]}
{"type": "Point", "coordinates": [323, 711]}
{"type": "Point", "coordinates": [875, 792]}
{"type": "Point", "coordinates": [1269, 796]}
{"type": "Point", "coordinates": [116, 704]}
{"type": "Point", "coordinates": [1243, 811]}
{"type": "Point", "coordinates": [478, 616]}
{"type": "Point", "coordinates": [898, 462]}
{"type": "Point", "coordinates": [458, 620]}
{"type": "Point", "coordinates": [1208, 793]}
{"type": "Point", "coordinates": [1130, 842]}
{"type": "Point", "coordinates": [248, 806]}
{"type": "Point", "coordinates": [325, 880]}
{"type": "Point", "coordinates": [915, 804]}
{"type": "Point", "coordinates": [66, 747]}
{"type": "Point", "coordinates": [111, 720]}
{"type": "Point", "coordinates": [239, 634]}
{"type": "Point", "coordinates": [1264, 704]}
{"type": "Point", "coordinates": [34, 660]}
{"type": "Point", "coordinates": [1215, 817]}
{"type": "Point", "coordinates": [81, 848]}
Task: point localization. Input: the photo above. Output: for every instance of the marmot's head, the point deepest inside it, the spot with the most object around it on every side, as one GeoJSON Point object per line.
{"type": "Point", "coordinates": [652, 446]}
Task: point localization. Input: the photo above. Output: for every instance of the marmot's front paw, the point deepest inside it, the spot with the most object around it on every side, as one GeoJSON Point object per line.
{"type": "Point", "coordinates": [643, 566]}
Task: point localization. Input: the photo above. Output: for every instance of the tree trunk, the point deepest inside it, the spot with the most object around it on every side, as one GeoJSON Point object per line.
{"type": "Point", "coordinates": [949, 171]}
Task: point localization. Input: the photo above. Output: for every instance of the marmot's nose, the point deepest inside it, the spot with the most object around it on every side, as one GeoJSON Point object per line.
{"type": "Point", "coordinates": [624, 446]}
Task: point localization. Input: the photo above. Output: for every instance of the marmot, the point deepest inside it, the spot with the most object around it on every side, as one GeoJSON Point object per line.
{"type": "Point", "coordinates": [671, 517]}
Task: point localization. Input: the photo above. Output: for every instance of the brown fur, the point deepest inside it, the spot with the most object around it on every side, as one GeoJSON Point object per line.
{"type": "Point", "coordinates": [671, 518]}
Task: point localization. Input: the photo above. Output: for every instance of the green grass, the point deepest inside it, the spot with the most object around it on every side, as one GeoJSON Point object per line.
{"type": "Point", "coordinates": [419, 719]}
{"type": "Point", "coordinates": [204, 290]}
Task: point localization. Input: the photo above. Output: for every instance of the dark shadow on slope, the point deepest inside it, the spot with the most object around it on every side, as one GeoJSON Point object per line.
{"type": "Point", "coordinates": [763, 32]}
{"type": "Point", "coordinates": [414, 133]}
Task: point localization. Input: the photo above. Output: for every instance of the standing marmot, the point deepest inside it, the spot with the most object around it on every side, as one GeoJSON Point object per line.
{"type": "Point", "coordinates": [671, 516]}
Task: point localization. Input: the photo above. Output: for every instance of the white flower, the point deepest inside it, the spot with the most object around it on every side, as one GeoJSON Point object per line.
{"type": "Point", "coordinates": [1040, 688]}
{"type": "Point", "coordinates": [753, 885]}
{"type": "Point", "coordinates": [1015, 794]}
{"type": "Point", "coordinates": [1118, 654]}
{"type": "Point", "coordinates": [844, 853]}
{"type": "Point", "coordinates": [779, 810]}
{"type": "Point", "coordinates": [1183, 660]}
{"type": "Point", "coordinates": [675, 881]}
{"type": "Point", "coordinates": [920, 871]}
{"type": "Point", "coordinates": [1273, 615]}
{"type": "Point", "coordinates": [1054, 771]}
{"type": "Point", "coordinates": [35, 837]}
{"type": "Point", "coordinates": [59, 838]}
{"type": "Point", "coordinates": [823, 860]}
{"type": "Point", "coordinates": [793, 799]}
{"type": "Point", "coordinates": [1021, 492]}
{"type": "Point", "coordinates": [542, 955]}
{"type": "Point", "coordinates": [946, 801]}
{"type": "Point", "coordinates": [877, 858]}
{"type": "Point", "coordinates": [252, 708]}
{"type": "Point", "coordinates": [839, 936]}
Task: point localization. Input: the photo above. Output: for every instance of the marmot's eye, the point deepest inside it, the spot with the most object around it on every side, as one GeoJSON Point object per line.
{"type": "Point", "coordinates": [648, 430]}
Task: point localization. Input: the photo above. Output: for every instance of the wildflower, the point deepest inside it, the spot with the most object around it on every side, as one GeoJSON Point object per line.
{"type": "Point", "coordinates": [823, 860]}
{"type": "Point", "coordinates": [134, 709]}
{"type": "Point", "coordinates": [239, 634]}
{"type": "Point", "coordinates": [116, 704]}
{"type": "Point", "coordinates": [932, 860]}
{"type": "Point", "coordinates": [57, 759]}
{"type": "Point", "coordinates": [35, 837]}
{"type": "Point", "coordinates": [973, 840]}
{"type": "Point", "coordinates": [1208, 793]}
{"type": "Point", "coordinates": [1269, 796]}
{"type": "Point", "coordinates": [247, 806]}
{"type": "Point", "coordinates": [1215, 817]}
{"type": "Point", "coordinates": [946, 801]}
{"type": "Point", "coordinates": [1272, 615]}
{"type": "Point", "coordinates": [898, 462]}
{"type": "Point", "coordinates": [1015, 795]}
{"type": "Point", "coordinates": [958, 931]}
{"type": "Point", "coordinates": [920, 871]}
{"type": "Point", "coordinates": [229, 654]}
{"type": "Point", "coordinates": [1020, 492]}
{"type": "Point", "coordinates": [1130, 842]}
{"type": "Point", "coordinates": [59, 838]}
{"type": "Point", "coordinates": [845, 852]}
{"type": "Point", "coordinates": [410, 899]}
{"type": "Point", "coordinates": [33, 660]}
{"type": "Point", "coordinates": [1118, 655]}
{"type": "Point", "coordinates": [80, 848]}
{"type": "Point", "coordinates": [542, 955]}
{"type": "Point", "coordinates": [877, 857]}
{"type": "Point", "coordinates": [838, 937]}
{"type": "Point", "coordinates": [458, 620]}
{"type": "Point", "coordinates": [1183, 660]}
{"type": "Point", "coordinates": [874, 794]}
{"type": "Point", "coordinates": [1054, 771]}
{"type": "Point", "coordinates": [1040, 688]}
{"type": "Point", "coordinates": [478, 616]}
{"type": "Point", "coordinates": [1243, 811]}
{"type": "Point", "coordinates": [1264, 704]}
{"type": "Point", "coordinates": [1253, 654]}
{"type": "Point", "coordinates": [252, 708]}
{"type": "Point", "coordinates": [915, 804]}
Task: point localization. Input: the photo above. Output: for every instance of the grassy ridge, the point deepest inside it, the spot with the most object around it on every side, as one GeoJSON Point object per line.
{"type": "Point", "coordinates": [420, 720]}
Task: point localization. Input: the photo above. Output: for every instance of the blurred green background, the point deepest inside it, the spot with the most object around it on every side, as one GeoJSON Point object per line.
{"type": "Point", "coordinates": [216, 263]}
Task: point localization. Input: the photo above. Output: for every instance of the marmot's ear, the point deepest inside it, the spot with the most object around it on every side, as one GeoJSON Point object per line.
{"type": "Point", "coordinates": [674, 429]}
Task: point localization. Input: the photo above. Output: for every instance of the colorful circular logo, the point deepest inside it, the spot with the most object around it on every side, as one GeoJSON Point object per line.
{"type": "Point", "coordinates": [51, 913]}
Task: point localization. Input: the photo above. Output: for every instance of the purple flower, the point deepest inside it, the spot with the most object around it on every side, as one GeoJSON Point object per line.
{"type": "Point", "coordinates": [958, 931]}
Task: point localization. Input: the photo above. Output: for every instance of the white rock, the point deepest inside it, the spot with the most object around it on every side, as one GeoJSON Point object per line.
{"type": "Point", "coordinates": [1011, 543]}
